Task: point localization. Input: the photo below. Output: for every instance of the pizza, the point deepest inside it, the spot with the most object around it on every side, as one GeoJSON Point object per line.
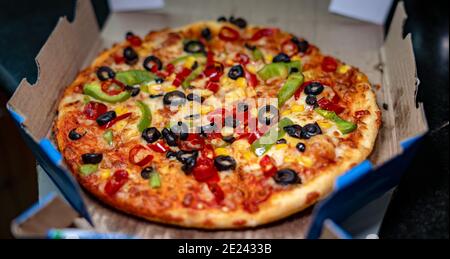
{"type": "Point", "coordinates": [217, 124]}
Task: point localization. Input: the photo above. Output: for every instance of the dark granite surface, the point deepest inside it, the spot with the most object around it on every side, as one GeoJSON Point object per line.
{"type": "Point", "coordinates": [420, 205]}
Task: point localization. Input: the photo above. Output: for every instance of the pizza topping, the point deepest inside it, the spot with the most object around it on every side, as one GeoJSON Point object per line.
{"type": "Point", "coordinates": [152, 64]}
{"type": "Point", "coordinates": [229, 139]}
{"type": "Point", "coordinates": [268, 115]}
{"type": "Point", "coordinates": [204, 170]}
{"type": "Point", "coordinates": [92, 158]}
{"type": "Point", "coordinates": [108, 137]}
{"type": "Point", "coordinates": [236, 72]}
{"type": "Point", "coordinates": [314, 88]}
{"type": "Point", "coordinates": [302, 45]}
{"type": "Point", "coordinates": [192, 76]}
{"type": "Point", "coordinates": [174, 98]}
{"type": "Point", "coordinates": [241, 58]}
{"type": "Point", "coordinates": [130, 55]}
{"type": "Point", "coordinates": [239, 22]}
{"type": "Point", "coordinates": [281, 141]}
{"type": "Point", "coordinates": [286, 177]}
{"type": "Point", "coordinates": [301, 147]}
{"type": "Point", "coordinates": [133, 39]}
{"type": "Point", "coordinates": [289, 47]}
{"type": "Point", "coordinates": [264, 143]}
{"type": "Point", "coordinates": [222, 19]}
{"type": "Point", "coordinates": [228, 34]}
{"type": "Point", "coordinates": [310, 130]}
{"type": "Point", "coordinates": [146, 116]}
{"type": "Point", "coordinates": [214, 71]}
{"type": "Point", "coordinates": [218, 193]}
{"type": "Point", "coordinates": [139, 155]}
{"type": "Point", "coordinates": [195, 98]}
{"type": "Point", "coordinates": [206, 33]}
{"type": "Point", "coordinates": [105, 118]}
{"type": "Point", "coordinates": [181, 130]}
{"type": "Point", "coordinates": [155, 181]}
{"type": "Point", "coordinates": [145, 173]}
{"type": "Point", "coordinates": [267, 166]}
{"type": "Point", "coordinates": [117, 180]}
{"type": "Point", "coordinates": [88, 169]}
{"type": "Point", "coordinates": [224, 163]}
{"type": "Point", "coordinates": [194, 46]}
{"type": "Point", "coordinates": [267, 32]}
{"type": "Point", "coordinates": [294, 131]}
{"type": "Point", "coordinates": [311, 100]}
{"type": "Point", "coordinates": [345, 127]}
{"type": "Point", "coordinates": [329, 64]}
{"type": "Point", "coordinates": [159, 147]}
{"type": "Point", "coordinates": [293, 83]}
{"type": "Point", "coordinates": [96, 91]}
{"type": "Point", "coordinates": [110, 123]}
{"type": "Point", "coordinates": [282, 57]}
{"type": "Point", "coordinates": [94, 109]}
{"type": "Point", "coordinates": [74, 135]}
{"type": "Point", "coordinates": [170, 137]}
{"type": "Point", "coordinates": [257, 54]}
{"type": "Point", "coordinates": [151, 135]}
{"type": "Point", "coordinates": [134, 91]}
{"type": "Point", "coordinates": [134, 77]}
{"type": "Point", "coordinates": [104, 73]}
{"type": "Point", "coordinates": [181, 76]}
{"type": "Point", "coordinates": [332, 105]}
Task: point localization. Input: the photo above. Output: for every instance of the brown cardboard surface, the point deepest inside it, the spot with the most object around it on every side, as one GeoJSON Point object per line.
{"type": "Point", "coordinates": [355, 42]}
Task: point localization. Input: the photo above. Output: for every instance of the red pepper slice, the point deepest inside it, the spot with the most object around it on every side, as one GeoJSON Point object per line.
{"type": "Point", "coordinates": [329, 64]}
{"type": "Point", "coordinates": [170, 68]}
{"type": "Point", "coordinates": [242, 58]}
{"type": "Point", "coordinates": [289, 48]}
{"type": "Point", "coordinates": [212, 86]}
{"type": "Point", "coordinates": [266, 32]}
{"type": "Point", "coordinates": [228, 34]}
{"type": "Point", "coordinates": [328, 105]}
{"type": "Point", "coordinates": [301, 89]}
{"type": "Point", "coordinates": [252, 80]}
{"type": "Point", "coordinates": [267, 166]}
{"type": "Point", "coordinates": [193, 142]}
{"type": "Point", "coordinates": [209, 58]}
{"type": "Point", "coordinates": [118, 118]}
{"type": "Point", "coordinates": [214, 71]}
{"type": "Point", "coordinates": [204, 170]}
{"type": "Point", "coordinates": [218, 193]}
{"type": "Point", "coordinates": [113, 87]}
{"type": "Point", "coordinates": [134, 40]}
{"type": "Point", "coordinates": [180, 77]}
{"type": "Point", "coordinates": [133, 156]}
{"type": "Point", "coordinates": [159, 147]}
{"type": "Point", "coordinates": [117, 180]}
{"type": "Point", "coordinates": [94, 109]}
{"type": "Point", "coordinates": [118, 59]}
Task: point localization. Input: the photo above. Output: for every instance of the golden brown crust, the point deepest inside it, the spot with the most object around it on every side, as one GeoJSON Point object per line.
{"type": "Point", "coordinates": [183, 201]}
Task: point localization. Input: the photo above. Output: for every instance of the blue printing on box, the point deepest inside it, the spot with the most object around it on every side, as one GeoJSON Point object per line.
{"type": "Point", "coordinates": [34, 208]}
{"type": "Point", "coordinates": [50, 159]}
{"type": "Point", "coordinates": [360, 186]}
{"type": "Point", "coordinates": [73, 233]}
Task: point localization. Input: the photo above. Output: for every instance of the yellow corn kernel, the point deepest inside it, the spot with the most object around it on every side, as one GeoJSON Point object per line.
{"type": "Point", "coordinates": [169, 88]}
{"type": "Point", "coordinates": [289, 159]}
{"type": "Point", "coordinates": [105, 173]}
{"type": "Point", "coordinates": [343, 69]}
{"type": "Point", "coordinates": [120, 125]}
{"type": "Point", "coordinates": [229, 62]}
{"type": "Point", "coordinates": [268, 58]}
{"type": "Point", "coordinates": [121, 110]}
{"type": "Point", "coordinates": [305, 161]}
{"type": "Point", "coordinates": [205, 109]}
{"type": "Point", "coordinates": [221, 151]}
{"type": "Point", "coordinates": [295, 58]}
{"type": "Point", "coordinates": [281, 146]}
{"type": "Point", "coordinates": [189, 62]}
{"type": "Point", "coordinates": [248, 155]}
{"type": "Point", "coordinates": [286, 112]}
{"type": "Point", "coordinates": [241, 82]}
{"type": "Point", "coordinates": [297, 108]}
{"type": "Point", "coordinates": [251, 69]}
{"type": "Point", "coordinates": [324, 124]}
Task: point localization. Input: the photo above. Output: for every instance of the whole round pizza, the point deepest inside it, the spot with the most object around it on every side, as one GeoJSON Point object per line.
{"type": "Point", "coordinates": [215, 124]}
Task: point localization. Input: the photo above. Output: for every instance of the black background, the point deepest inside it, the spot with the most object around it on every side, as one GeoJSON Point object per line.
{"type": "Point", "coordinates": [419, 208]}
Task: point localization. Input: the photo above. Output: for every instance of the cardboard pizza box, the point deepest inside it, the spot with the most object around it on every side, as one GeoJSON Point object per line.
{"type": "Point", "coordinates": [389, 64]}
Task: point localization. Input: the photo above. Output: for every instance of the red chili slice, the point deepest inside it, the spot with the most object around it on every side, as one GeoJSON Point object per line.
{"type": "Point", "coordinates": [252, 79]}
{"type": "Point", "coordinates": [170, 68]}
{"type": "Point", "coordinates": [289, 48]}
{"type": "Point", "coordinates": [228, 34]}
{"type": "Point", "coordinates": [118, 118]}
{"type": "Point", "coordinates": [328, 105]}
{"type": "Point", "coordinates": [241, 58]}
{"type": "Point", "coordinates": [118, 59]}
{"type": "Point", "coordinates": [267, 166]}
{"type": "Point", "coordinates": [94, 109]}
{"type": "Point", "coordinates": [214, 71]}
{"type": "Point", "coordinates": [212, 86]}
{"type": "Point", "coordinates": [204, 170]}
{"type": "Point", "coordinates": [117, 180]}
{"type": "Point", "coordinates": [113, 87]}
{"type": "Point", "coordinates": [329, 64]}
{"type": "Point", "coordinates": [263, 33]}
{"type": "Point", "coordinates": [159, 147]}
{"type": "Point", "coordinates": [132, 156]}
{"type": "Point", "coordinates": [218, 193]}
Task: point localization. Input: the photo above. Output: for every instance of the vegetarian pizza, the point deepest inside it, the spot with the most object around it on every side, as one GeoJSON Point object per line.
{"type": "Point", "coordinates": [216, 124]}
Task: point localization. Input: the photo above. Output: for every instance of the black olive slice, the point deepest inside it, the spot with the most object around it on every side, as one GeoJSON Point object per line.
{"type": "Point", "coordinates": [151, 135]}
{"type": "Point", "coordinates": [106, 117]}
{"type": "Point", "coordinates": [174, 98]}
{"type": "Point", "coordinates": [294, 131]}
{"type": "Point", "coordinates": [314, 88]}
{"type": "Point", "coordinates": [145, 173]}
{"type": "Point", "coordinates": [194, 46]}
{"type": "Point", "coordinates": [223, 163]}
{"type": "Point", "coordinates": [91, 158]}
{"type": "Point", "coordinates": [310, 130]}
{"type": "Point", "coordinates": [151, 61]}
{"type": "Point", "coordinates": [104, 73]}
{"type": "Point", "coordinates": [170, 137]}
{"type": "Point", "coordinates": [130, 55]}
{"type": "Point", "coordinates": [236, 72]}
{"type": "Point", "coordinates": [286, 177]}
{"type": "Point", "coordinates": [282, 57]}
{"type": "Point", "coordinates": [74, 135]}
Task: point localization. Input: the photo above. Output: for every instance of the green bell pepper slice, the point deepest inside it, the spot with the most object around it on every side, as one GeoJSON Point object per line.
{"type": "Point", "coordinates": [154, 180]}
{"type": "Point", "coordinates": [135, 77]}
{"type": "Point", "coordinates": [94, 90]}
{"type": "Point", "coordinates": [264, 143]}
{"type": "Point", "coordinates": [257, 54]}
{"type": "Point", "coordinates": [183, 58]}
{"type": "Point", "coordinates": [345, 127]}
{"type": "Point", "coordinates": [108, 137]}
{"type": "Point", "coordinates": [294, 81]}
{"type": "Point", "coordinates": [88, 169]}
{"type": "Point", "coordinates": [280, 70]}
{"type": "Point", "coordinates": [193, 75]}
{"type": "Point", "coordinates": [146, 116]}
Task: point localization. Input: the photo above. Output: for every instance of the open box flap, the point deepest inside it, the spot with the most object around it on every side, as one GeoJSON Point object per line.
{"type": "Point", "coordinates": [367, 180]}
